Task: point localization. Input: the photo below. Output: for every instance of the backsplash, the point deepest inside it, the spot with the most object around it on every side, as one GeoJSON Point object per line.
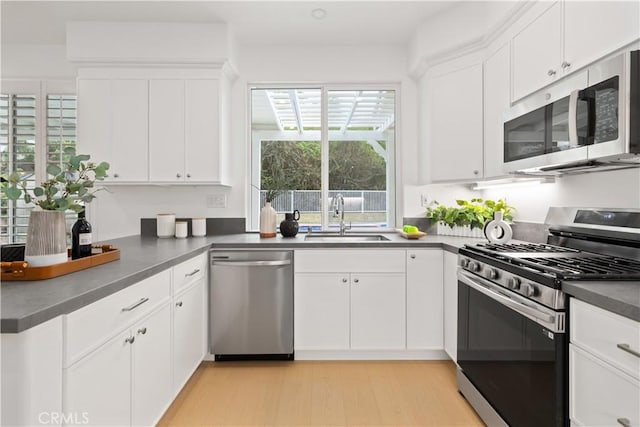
{"type": "Point", "coordinates": [215, 226]}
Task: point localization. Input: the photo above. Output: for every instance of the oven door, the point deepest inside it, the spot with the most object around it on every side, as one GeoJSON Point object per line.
{"type": "Point", "coordinates": [513, 351]}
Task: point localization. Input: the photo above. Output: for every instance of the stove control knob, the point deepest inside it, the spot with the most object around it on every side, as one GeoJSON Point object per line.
{"type": "Point", "coordinates": [493, 274]}
{"type": "Point", "coordinates": [473, 266]}
{"type": "Point", "coordinates": [464, 262]}
{"type": "Point", "coordinates": [513, 283]}
{"type": "Point", "coordinates": [530, 290]}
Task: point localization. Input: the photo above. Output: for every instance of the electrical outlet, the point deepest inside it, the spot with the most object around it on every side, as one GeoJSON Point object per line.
{"type": "Point", "coordinates": [216, 200]}
{"type": "Point", "coordinates": [425, 200]}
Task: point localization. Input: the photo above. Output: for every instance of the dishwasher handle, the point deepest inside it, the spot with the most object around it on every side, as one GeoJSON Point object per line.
{"type": "Point", "coordinates": [251, 263]}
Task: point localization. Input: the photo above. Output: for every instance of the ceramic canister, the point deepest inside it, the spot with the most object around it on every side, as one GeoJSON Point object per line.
{"type": "Point", "coordinates": [198, 227]}
{"type": "Point", "coordinates": [181, 229]}
{"type": "Point", "coordinates": [165, 225]}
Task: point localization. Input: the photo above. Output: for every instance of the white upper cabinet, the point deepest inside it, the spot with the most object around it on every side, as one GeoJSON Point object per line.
{"type": "Point", "coordinates": [567, 36]}
{"type": "Point", "coordinates": [112, 126]}
{"type": "Point", "coordinates": [537, 53]}
{"type": "Point", "coordinates": [595, 29]}
{"type": "Point", "coordinates": [496, 102]}
{"type": "Point", "coordinates": [202, 130]}
{"type": "Point", "coordinates": [454, 110]}
{"type": "Point", "coordinates": [166, 130]}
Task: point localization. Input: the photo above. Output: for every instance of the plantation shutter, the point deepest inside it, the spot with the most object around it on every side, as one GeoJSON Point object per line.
{"type": "Point", "coordinates": [18, 152]}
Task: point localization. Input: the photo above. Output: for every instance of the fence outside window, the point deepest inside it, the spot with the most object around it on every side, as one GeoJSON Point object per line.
{"type": "Point", "coordinates": [364, 201]}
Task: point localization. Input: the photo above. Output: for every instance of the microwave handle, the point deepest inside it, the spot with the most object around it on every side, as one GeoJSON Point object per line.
{"type": "Point", "coordinates": [573, 118]}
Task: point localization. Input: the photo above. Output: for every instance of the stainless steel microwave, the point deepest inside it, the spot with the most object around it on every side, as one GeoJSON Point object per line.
{"type": "Point", "coordinates": [589, 120]}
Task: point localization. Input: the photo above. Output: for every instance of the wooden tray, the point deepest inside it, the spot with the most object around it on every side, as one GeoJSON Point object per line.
{"type": "Point", "coordinates": [20, 270]}
{"type": "Point", "coordinates": [411, 236]}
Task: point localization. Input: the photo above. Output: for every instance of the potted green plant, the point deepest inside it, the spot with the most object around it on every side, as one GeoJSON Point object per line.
{"type": "Point", "coordinates": [68, 188]}
{"type": "Point", "coordinates": [467, 218]}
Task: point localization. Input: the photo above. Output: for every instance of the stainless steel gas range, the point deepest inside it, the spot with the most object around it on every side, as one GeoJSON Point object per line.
{"type": "Point", "coordinates": [512, 312]}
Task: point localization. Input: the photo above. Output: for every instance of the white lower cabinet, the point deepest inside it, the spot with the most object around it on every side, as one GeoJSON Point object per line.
{"type": "Point", "coordinates": [189, 317]}
{"type": "Point", "coordinates": [451, 304]}
{"type": "Point", "coordinates": [377, 311]}
{"type": "Point", "coordinates": [151, 368]}
{"type": "Point", "coordinates": [344, 310]}
{"type": "Point", "coordinates": [98, 387]}
{"type": "Point", "coordinates": [127, 380]}
{"type": "Point", "coordinates": [321, 311]}
{"type": "Point", "coordinates": [424, 299]}
{"type": "Point", "coordinates": [604, 367]}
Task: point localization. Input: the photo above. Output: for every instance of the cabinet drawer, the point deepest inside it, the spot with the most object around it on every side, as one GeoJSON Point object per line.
{"type": "Point", "coordinates": [92, 325]}
{"type": "Point", "coordinates": [344, 260]}
{"type": "Point", "coordinates": [601, 332]}
{"type": "Point", "coordinates": [601, 395]}
{"type": "Point", "coordinates": [188, 272]}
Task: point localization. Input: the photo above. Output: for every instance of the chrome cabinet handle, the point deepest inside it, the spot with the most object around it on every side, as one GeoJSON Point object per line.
{"type": "Point", "coordinates": [178, 175]}
{"type": "Point", "coordinates": [135, 305]}
{"type": "Point", "coordinates": [251, 263]}
{"type": "Point", "coordinates": [188, 175]}
{"type": "Point", "coordinates": [356, 280]}
{"type": "Point", "coordinates": [551, 73]}
{"type": "Point", "coordinates": [412, 256]}
{"type": "Point", "coordinates": [624, 422]}
{"type": "Point", "coordinates": [476, 172]}
{"type": "Point", "coordinates": [142, 330]}
{"type": "Point", "coordinates": [130, 340]}
{"type": "Point", "coordinates": [565, 65]}
{"type": "Point", "coordinates": [628, 349]}
{"type": "Point", "coordinates": [344, 280]}
{"type": "Point", "coordinates": [197, 270]}
{"type": "Point", "coordinates": [115, 175]}
{"type": "Point", "coordinates": [179, 304]}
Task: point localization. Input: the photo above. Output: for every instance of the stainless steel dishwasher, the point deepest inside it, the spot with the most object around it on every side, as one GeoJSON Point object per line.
{"type": "Point", "coordinates": [251, 304]}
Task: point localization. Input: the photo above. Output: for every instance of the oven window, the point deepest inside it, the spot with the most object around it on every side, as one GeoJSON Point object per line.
{"type": "Point", "coordinates": [518, 365]}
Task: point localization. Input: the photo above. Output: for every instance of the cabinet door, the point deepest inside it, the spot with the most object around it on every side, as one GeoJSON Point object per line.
{"type": "Point", "coordinates": [188, 333]}
{"type": "Point", "coordinates": [451, 304]}
{"type": "Point", "coordinates": [595, 29]}
{"type": "Point", "coordinates": [130, 142]}
{"type": "Point", "coordinates": [321, 315]}
{"type": "Point", "coordinates": [378, 311]}
{"type": "Point", "coordinates": [496, 103]}
{"type": "Point", "coordinates": [599, 394]}
{"type": "Point", "coordinates": [537, 53]}
{"type": "Point", "coordinates": [455, 114]}
{"type": "Point", "coordinates": [166, 130]}
{"type": "Point", "coordinates": [424, 299]}
{"type": "Point", "coordinates": [95, 120]}
{"type": "Point", "coordinates": [202, 134]}
{"type": "Point", "coordinates": [151, 368]}
{"type": "Point", "coordinates": [98, 387]}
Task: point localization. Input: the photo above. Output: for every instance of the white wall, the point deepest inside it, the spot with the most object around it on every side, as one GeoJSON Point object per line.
{"type": "Point", "coordinates": [33, 61]}
{"type": "Point", "coordinates": [613, 189]}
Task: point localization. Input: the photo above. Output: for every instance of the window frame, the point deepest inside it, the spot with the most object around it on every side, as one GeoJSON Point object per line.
{"type": "Point", "coordinates": [40, 89]}
{"type": "Point", "coordinates": [393, 178]}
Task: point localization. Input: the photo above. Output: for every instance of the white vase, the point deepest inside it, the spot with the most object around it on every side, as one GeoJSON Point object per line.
{"type": "Point", "coordinates": [46, 238]}
{"type": "Point", "coordinates": [268, 222]}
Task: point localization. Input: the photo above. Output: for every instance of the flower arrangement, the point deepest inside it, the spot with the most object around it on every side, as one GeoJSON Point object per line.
{"type": "Point", "coordinates": [67, 188]}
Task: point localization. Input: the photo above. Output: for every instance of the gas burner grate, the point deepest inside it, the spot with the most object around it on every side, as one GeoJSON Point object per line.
{"type": "Point", "coordinates": [523, 248]}
{"type": "Point", "coordinates": [586, 267]}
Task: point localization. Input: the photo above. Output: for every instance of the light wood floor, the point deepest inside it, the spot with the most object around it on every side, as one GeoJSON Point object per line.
{"type": "Point", "coordinates": [327, 393]}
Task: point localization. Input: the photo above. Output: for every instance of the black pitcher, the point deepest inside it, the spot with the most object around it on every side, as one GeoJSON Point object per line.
{"type": "Point", "coordinates": [289, 227]}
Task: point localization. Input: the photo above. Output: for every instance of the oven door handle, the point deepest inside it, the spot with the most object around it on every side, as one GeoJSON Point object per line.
{"type": "Point", "coordinates": [488, 289]}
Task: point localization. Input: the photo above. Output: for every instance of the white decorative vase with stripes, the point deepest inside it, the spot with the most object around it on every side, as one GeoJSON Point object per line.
{"type": "Point", "coordinates": [46, 238]}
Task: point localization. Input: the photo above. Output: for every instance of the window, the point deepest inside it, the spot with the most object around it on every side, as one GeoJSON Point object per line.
{"type": "Point", "coordinates": [22, 147]}
{"type": "Point", "coordinates": [315, 143]}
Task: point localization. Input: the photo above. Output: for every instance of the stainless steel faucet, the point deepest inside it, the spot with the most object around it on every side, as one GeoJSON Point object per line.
{"type": "Point", "coordinates": [337, 205]}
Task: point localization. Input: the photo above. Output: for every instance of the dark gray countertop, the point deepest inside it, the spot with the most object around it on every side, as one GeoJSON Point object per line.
{"type": "Point", "coordinates": [620, 297]}
{"type": "Point", "coordinates": [27, 304]}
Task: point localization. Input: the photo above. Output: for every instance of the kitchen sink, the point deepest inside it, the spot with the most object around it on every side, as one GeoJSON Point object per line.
{"type": "Point", "coordinates": [328, 237]}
